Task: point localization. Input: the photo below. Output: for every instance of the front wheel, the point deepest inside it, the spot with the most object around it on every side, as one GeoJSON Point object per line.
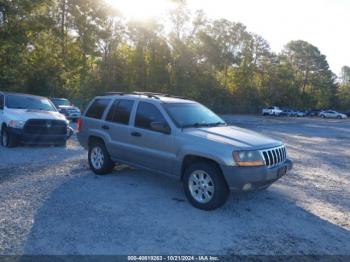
{"type": "Point", "coordinates": [205, 186]}
{"type": "Point", "coordinates": [8, 139]}
{"type": "Point", "coordinates": [99, 159]}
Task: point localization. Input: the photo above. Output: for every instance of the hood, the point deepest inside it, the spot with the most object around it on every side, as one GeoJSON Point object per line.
{"type": "Point", "coordinates": [26, 114]}
{"type": "Point", "coordinates": [240, 138]}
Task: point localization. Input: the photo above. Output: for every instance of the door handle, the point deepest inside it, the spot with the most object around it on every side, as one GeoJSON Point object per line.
{"type": "Point", "coordinates": [105, 127]}
{"type": "Point", "coordinates": [137, 134]}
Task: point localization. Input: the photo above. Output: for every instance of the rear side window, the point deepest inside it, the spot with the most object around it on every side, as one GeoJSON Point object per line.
{"type": "Point", "coordinates": [97, 108]}
{"type": "Point", "coordinates": [120, 112]}
{"type": "Point", "coordinates": [146, 114]}
{"type": "Point", "coordinates": [1, 102]}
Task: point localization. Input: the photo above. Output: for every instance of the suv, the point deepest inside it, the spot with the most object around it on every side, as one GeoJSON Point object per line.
{"type": "Point", "coordinates": [181, 138]}
{"type": "Point", "coordinates": [31, 120]}
{"type": "Point", "coordinates": [65, 107]}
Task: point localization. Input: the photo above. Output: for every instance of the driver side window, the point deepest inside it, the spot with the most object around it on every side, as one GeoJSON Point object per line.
{"type": "Point", "coordinates": [146, 114]}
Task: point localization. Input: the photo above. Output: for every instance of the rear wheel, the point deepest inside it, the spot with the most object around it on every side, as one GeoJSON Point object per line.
{"type": "Point", "coordinates": [99, 159]}
{"type": "Point", "coordinates": [205, 186]}
{"type": "Point", "coordinates": [8, 139]}
{"type": "Point", "coordinates": [323, 116]}
{"type": "Point", "coordinates": [339, 117]}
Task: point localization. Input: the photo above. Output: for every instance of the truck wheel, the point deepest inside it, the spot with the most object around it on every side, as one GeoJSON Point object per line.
{"type": "Point", "coordinates": [99, 160]}
{"type": "Point", "coordinates": [205, 186]}
{"type": "Point", "coordinates": [8, 139]}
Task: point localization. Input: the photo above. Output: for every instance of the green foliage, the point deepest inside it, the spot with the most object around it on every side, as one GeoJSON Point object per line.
{"type": "Point", "coordinates": [82, 48]}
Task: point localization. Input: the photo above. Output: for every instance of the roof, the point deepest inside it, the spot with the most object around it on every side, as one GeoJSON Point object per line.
{"type": "Point", "coordinates": [163, 98]}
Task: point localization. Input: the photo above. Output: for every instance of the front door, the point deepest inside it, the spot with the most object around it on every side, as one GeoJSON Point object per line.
{"type": "Point", "coordinates": [152, 149]}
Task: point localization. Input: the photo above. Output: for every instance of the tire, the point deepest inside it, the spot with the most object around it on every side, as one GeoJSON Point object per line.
{"type": "Point", "coordinates": [323, 116]}
{"type": "Point", "coordinates": [99, 159]}
{"type": "Point", "coordinates": [8, 139]}
{"type": "Point", "coordinates": [208, 175]}
{"type": "Point", "coordinates": [339, 117]}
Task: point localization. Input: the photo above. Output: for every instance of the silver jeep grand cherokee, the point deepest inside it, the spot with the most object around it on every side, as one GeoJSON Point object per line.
{"type": "Point", "coordinates": [181, 138]}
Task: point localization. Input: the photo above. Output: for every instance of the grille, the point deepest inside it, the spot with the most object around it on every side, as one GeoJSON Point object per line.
{"type": "Point", "coordinates": [274, 156]}
{"type": "Point", "coordinates": [45, 127]}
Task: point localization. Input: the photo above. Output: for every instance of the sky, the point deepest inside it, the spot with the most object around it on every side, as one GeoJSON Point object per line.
{"type": "Point", "coordinates": [323, 23]}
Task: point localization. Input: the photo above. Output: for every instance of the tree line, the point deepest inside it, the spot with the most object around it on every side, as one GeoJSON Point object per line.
{"type": "Point", "coordinates": [82, 48]}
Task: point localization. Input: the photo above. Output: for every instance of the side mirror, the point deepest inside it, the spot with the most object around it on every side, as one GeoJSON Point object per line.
{"type": "Point", "coordinates": [161, 127]}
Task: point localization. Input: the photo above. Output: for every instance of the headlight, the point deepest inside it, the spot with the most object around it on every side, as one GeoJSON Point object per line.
{"type": "Point", "coordinates": [16, 124]}
{"type": "Point", "coordinates": [248, 158]}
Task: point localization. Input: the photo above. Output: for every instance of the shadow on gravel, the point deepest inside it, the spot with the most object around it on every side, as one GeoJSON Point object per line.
{"type": "Point", "coordinates": [136, 212]}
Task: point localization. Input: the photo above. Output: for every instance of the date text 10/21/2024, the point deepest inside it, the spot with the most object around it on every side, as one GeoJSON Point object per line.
{"type": "Point", "coordinates": [173, 258]}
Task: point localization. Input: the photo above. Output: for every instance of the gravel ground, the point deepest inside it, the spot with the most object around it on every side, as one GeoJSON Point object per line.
{"type": "Point", "coordinates": [51, 203]}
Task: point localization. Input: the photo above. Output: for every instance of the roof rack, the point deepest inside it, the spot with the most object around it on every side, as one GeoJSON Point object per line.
{"type": "Point", "coordinates": [114, 93]}
{"type": "Point", "coordinates": [148, 94]}
{"type": "Point", "coordinates": [156, 95]}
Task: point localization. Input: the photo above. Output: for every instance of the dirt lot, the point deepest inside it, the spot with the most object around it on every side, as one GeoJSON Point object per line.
{"type": "Point", "coordinates": [50, 203]}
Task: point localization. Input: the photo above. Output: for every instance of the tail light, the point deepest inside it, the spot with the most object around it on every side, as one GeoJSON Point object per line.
{"type": "Point", "coordinates": [79, 124]}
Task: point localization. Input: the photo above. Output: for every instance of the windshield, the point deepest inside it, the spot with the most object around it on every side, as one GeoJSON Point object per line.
{"type": "Point", "coordinates": [61, 102]}
{"type": "Point", "coordinates": [192, 115]}
{"type": "Point", "coordinates": [29, 102]}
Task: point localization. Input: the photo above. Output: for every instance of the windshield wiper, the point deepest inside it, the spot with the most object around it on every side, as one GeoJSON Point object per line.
{"type": "Point", "coordinates": [195, 125]}
{"type": "Point", "coordinates": [204, 124]}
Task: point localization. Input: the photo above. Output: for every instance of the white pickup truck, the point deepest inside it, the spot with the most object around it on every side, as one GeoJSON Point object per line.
{"type": "Point", "coordinates": [271, 111]}
{"type": "Point", "coordinates": [28, 119]}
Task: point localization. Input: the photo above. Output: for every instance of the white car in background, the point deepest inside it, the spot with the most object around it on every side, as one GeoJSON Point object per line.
{"type": "Point", "coordinates": [332, 114]}
{"type": "Point", "coordinates": [272, 111]}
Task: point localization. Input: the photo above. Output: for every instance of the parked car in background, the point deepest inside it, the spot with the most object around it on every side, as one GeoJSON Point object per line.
{"type": "Point", "coordinates": [332, 114]}
{"type": "Point", "coordinates": [28, 119]}
{"type": "Point", "coordinates": [65, 107]}
{"type": "Point", "coordinates": [181, 138]}
{"type": "Point", "coordinates": [272, 111]}
{"type": "Point", "coordinates": [288, 112]}
{"type": "Point", "coordinates": [313, 112]}
{"type": "Point", "coordinates": [300, 113]}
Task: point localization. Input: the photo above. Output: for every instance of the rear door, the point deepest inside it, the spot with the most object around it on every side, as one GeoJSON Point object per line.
{"type": "Point", "coordinates": [151, 149]}
{"type": "Point", "coordinates": [117, 128]}
{"type": "Point", "coordinates": [91, 121]}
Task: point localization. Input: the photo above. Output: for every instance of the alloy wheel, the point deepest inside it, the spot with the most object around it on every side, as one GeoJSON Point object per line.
{"type": "Point", "coordinates": [201, 186]}
{"type": "Point", "coordinates": [97, 157]}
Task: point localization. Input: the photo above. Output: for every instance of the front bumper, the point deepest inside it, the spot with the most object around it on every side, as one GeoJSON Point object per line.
{"type": "Point", "coordinates": [250, 178]}
{"type": "Point", "coordinates": [24, 138]}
